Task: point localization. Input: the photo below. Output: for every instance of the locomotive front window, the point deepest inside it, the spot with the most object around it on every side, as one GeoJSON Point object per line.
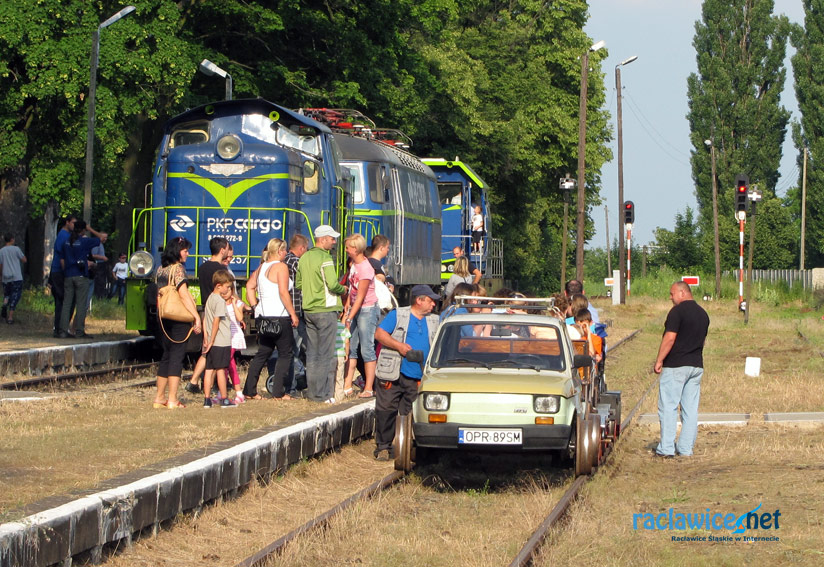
{"type": "Point", "coordinates": [302, 142]}
{"type": "Point", "coordinates": [188, 134]}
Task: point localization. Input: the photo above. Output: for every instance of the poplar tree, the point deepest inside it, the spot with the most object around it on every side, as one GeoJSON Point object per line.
{"type": "Point", "coordinates": [808, 70]}
{"type": "Point", "coordinates": [734, 100]}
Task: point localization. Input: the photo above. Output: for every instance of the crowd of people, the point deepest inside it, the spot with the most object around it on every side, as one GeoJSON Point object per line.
{"type": "Point", "coordinates": [316, 330]}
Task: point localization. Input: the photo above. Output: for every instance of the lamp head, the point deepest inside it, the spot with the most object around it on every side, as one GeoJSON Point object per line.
{"type": "Point", "coordinates": [628, 60]}
{"type": "Point", "coordinates": [598, 45]}
{"type": "Point", "coordinates": [124, 12]}
{"type": "Point", "coordinates": [209, 68]}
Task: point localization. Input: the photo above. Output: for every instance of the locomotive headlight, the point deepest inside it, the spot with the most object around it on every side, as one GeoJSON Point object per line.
{"type": "Point", "coordinates": [228, 147]}
{"type": "Point", "coordinates": [546, 404]}
{"type": "Point", "coordinates": [436, 402]}
{"type": "Point", "coordinates": [141, 264]}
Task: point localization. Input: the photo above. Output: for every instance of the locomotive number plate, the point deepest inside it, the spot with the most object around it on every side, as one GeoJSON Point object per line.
{"type": "Point", "coordinates": [490, 436]}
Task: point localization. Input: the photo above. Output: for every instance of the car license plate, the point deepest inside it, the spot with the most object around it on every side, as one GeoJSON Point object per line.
{"type": "Point", "coordinates": [490, 436]}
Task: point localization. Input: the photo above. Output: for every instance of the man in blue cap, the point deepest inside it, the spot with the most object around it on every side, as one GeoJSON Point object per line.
{"type": "Point", "coordinates": [404, 329]}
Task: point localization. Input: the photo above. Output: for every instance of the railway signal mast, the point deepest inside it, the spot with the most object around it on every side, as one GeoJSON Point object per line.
{"type": "Point", "coordinates": [629, 218]}
{"type": "Point", "coordinates": [742, 183]}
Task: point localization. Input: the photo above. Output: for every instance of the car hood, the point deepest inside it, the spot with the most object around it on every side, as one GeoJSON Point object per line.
{"type": "Point", "coordinates": [507, 381]}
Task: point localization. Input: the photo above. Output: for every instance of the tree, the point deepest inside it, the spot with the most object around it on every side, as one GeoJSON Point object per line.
{"type": "Point", "coordinates": [734, 99]}
{"type": "Point", "coordinates": [680, 248]}
{"type": "Point", "coordinates": [808, 71]}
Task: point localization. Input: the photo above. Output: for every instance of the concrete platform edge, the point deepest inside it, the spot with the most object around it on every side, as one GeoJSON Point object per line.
{"type": "Point", "coordinates": [88, 523]}
{"type": "Point", "coordinates": [35, 360]}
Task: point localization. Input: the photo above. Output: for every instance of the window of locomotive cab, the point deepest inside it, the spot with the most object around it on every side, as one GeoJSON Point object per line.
{"type": "Point", "coordinates": [378, 183]}
{"type": "Point", "coordinates": [188, 134]}
{"type": "Point", "coordinates": [355, 170]}
{"type": "Point", "coordinates": [450, 193]}
{"type": "Point", "coordinates": [311, 177]}
{"type": "Point", "coordinates": [301, 138]}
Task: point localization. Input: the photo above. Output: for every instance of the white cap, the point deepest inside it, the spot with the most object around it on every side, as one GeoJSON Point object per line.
{"type": "Point", "coordinates": [326, 230]}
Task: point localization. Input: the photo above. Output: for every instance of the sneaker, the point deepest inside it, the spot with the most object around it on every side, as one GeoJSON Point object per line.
{"type": "Point", "coordinates": [360, 382]}
{"type": "Point", "coordinates": [239, 398]}
{"type": "Point", "coordinates": [227, 403]}
{"type": "Point", "coordinates": [329, 401]}
{"type": "Point", "coordinates": [207, 403]}
{"type": "Point", "coordinates": [382, 455]}
{"type": "Point", "coordinates": [192, 388]}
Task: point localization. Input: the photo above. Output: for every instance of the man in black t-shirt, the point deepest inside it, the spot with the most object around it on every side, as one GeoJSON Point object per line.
{"type": "Point", "coordinates": [681, 365]}
{"type": "Point", "coordinates": [380, 250]}
{"type": "Point", "coordinates": [219, 247]}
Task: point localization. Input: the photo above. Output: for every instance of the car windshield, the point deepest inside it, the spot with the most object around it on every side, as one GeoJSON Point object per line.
{"type": "Point", "coordinates": [493, 344]}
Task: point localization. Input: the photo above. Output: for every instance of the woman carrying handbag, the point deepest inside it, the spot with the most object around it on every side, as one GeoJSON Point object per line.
{"type": "Point", "coordinates": [178, 318]}
{"type": "Point", "coordinates": [275, 318]}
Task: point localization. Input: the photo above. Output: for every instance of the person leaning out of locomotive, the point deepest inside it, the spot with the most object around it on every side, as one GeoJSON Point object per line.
{"type": "Point", "coordinates": [173, 334]}
{"type": "Point", "coordinates": [219, 247]}
{"type": "Point", "coordinates": [75, 264]}
{"type": "Point", "coordinates": [403, 329]}
{"type": "Point", "coordinates": [362, 313]}
{"type": "Point", "coordinates": [458, 252]}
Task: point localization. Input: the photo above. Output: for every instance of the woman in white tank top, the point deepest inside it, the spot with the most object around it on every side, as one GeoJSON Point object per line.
{"type": "Point", "coordinates": [275, 301]}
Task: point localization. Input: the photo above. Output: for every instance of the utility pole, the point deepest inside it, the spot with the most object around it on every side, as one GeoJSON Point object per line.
{"type": "Point", "coordinates": [622, 265]}
{"type": "Point", "coordinates": [609, 258]}
{"type": "Point", "coordinates": [803, 209]}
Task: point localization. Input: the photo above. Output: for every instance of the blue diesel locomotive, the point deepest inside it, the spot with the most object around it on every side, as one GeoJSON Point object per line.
{"type": "Point", "coordinates": [460, 191]}
{"type": "Point", "coordinates": [247, 170]}
{"type": "Point", "coordinates": [250, 170]}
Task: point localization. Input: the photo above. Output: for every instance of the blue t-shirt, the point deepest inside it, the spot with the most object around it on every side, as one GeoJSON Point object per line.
{"type": "Point", "coordinates": [76, 256]}
{"type": "Point", "coordinates": [417, 336]}
{"type": "Point", "coordinates": [61, 238]}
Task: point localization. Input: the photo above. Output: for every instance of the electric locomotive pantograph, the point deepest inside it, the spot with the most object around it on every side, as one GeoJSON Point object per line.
{"type": "Point", "coordinates": [392, 193]}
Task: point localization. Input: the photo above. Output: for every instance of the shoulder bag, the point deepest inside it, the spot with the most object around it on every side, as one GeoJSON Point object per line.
{"type": "Point", "coordinates": [170, 306]}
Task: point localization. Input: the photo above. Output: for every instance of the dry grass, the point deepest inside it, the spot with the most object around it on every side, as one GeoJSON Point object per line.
{"type": "Point", "coordinates": [732, 471]}
{"type": "Point", "coordinates": [429, 521]}
{"type": "Point", "coordinates": [74, 441]}
{"type": "Point", "coordinates": [226, 534]}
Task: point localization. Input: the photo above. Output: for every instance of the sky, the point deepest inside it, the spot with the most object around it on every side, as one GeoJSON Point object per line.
{"type": "Point", "coordinates": [657, 173]}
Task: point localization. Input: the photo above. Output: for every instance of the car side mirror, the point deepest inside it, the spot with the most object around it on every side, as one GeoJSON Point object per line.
{"type": "Point", "coordinates": [581, 361]}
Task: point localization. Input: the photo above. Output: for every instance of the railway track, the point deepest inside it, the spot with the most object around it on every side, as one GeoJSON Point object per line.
{"type": "Point", "coordinates": [525, 555]}
{"type": "Point", "coordinates": [59, 379]}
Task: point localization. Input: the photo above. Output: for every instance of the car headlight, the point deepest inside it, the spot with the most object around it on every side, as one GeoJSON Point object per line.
{"type": "Point", "coordinates": [141, 264]}
{"type": "Point", "coordinates": [228, 147]}
{"type": "Point", "coordinates": [436, 402]}
{"type": "Point", "coordinates": [546, 404]}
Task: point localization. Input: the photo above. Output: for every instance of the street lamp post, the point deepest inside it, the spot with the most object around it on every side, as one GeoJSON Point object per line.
{"type": "Point", "coordinates": [622, 262]}
{"type": "Point", "coordinates": [582, 134]}
{"type": "Point", "coordinates": [209, 68]}
{"type": "Point", "coordinates": [716, 244]}
{"type": "Point", "coordinates": [567, 184]}
{"type": "Point", "coordinates": [87, 181]}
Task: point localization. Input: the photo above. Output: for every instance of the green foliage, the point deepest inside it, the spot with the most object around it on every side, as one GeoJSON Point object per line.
{"type": "Point", "coordinates": [808, 71]}
{"type": "Point", "coordinates": [497, 84]}
{"type": "Point", "coordinates": [734, 100]}
{"type": "Point", "coordinates": [679, 248]}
